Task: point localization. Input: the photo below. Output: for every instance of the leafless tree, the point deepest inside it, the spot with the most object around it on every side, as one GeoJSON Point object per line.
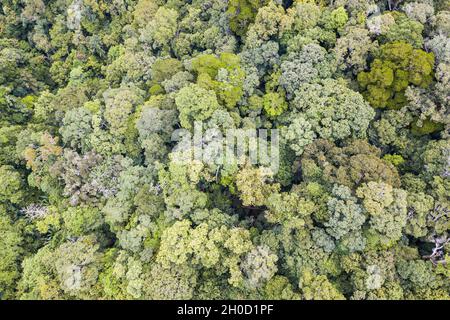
{"type": "Point", "coordinates": [35, 211]}
{"type": "Point", "coordinates": [437, 255]}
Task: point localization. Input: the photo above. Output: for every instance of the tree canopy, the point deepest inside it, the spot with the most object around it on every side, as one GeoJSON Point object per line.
{"type": "Point", "coordinates": [100, 100]}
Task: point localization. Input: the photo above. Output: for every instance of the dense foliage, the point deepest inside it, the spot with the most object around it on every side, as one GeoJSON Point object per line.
{"type": "Point", "coordinates": [94, 205]}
